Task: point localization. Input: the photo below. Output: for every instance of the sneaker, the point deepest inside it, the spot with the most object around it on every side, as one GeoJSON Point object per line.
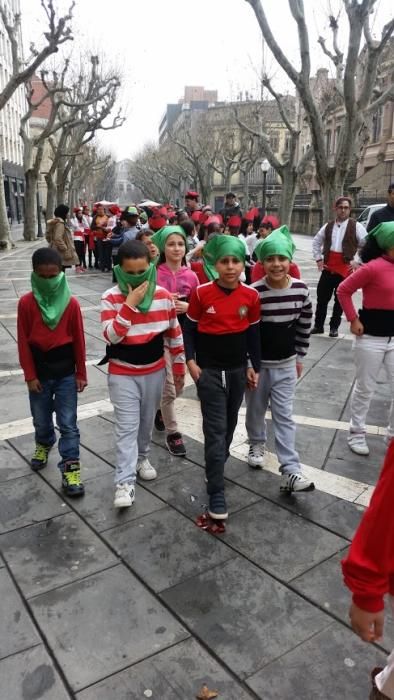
{"type": "Point", "coordinates": [296, 482]}
{"type": "Point", "coordinates": [124, 495]}
{"type": "Point", "coordinates": [358, 444]}
{"type": "Point", "coordinates": [145, 470]}
{"type": "Point", "coordinates": [217, 506]}
{"type": "Point", "coordinates": [175, 444]}
{"type": "Point", "coordinates": [71, 480]}
{"type": "Point", "coordinates": [333, 333]}
{"type": "Point", "coordinates": [375, 692]}
{"type": "Point", "coordinates": [256, 455]}
{"type": "Point", "coordinates": [159, 423]}
{"type": "Point", "coordinates": [40, 457]}
{"type": "Point", "coordinates": [317, 331]}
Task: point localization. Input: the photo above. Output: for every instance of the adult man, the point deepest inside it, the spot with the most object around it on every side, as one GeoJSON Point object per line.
{"type": "Point", "coordinates": [191, 202]}
{"type": "Point", "coordinates": [334, 248]}
{"type": "Point", "coordinates": [385, 213]}
{"type": "Point", "coordinates": [231, 207]}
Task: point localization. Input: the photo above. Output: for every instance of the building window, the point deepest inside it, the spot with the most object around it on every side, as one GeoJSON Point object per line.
{"type": "Point", "coordinates": [274, 141]}
{"type": "Point", "coordinates": [377, 125]}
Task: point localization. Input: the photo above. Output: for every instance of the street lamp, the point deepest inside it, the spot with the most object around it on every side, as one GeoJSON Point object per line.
{"type": "Point", "coordinates": [265, 166]}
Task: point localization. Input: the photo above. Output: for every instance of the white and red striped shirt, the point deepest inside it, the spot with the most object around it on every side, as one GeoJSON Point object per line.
{"type": "Point", "coordinates": [126, 325]}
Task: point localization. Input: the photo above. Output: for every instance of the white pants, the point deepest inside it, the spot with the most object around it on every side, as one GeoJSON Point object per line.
{"type": "Point", "coordinates": [371, 353]}
{"type": "Point", "coordinates": [385, 679]}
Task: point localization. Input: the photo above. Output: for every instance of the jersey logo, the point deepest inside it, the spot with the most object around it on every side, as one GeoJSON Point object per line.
{"type": "Point", "coordinates": [243, 311]}
{"type": "Point", "coordinates": [210, 310]}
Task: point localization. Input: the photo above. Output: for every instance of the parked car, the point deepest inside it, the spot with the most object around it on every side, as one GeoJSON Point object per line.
{"type": "Point", "coordinates": [367, 213]}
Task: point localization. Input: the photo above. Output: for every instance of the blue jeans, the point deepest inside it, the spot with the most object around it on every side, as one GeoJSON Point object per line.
{"type": "Point", "coordinates": [59, 396]}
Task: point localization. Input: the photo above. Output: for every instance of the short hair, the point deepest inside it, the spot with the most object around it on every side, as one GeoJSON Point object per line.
{"type": "Point", "coordinates": [341, 199]}
{"type": "Point", "coordinates": [231, 194]}
{"type": "Point", "coordinates": [391, 187]}
{"type": "Point", "coordinates": [142, 233]}
{"type": "Point", "coordinates": [188, 226]}
{"type": "Point", "coordinates": [46, 256]}
{"type": "Point", "coordinates": [133, 250]}
{"type": "Point", "coordinates": [61, 211]}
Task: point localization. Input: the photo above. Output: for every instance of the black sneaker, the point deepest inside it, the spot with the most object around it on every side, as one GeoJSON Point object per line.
{"type": "Point", "coordinates": [159, 423]}
{"type": "Point", "coordinates": [333, 333]}
{"type": "Point", "coordinates": [317, 331]}
{"type": "Point", "coordinates": [175, 444]}
{"type": "Point", "coordinates": [40, 457]}
{"type": "Point", "coordinates": [71, 480]}
{"type": "Point", "coordinates": [217, 506]}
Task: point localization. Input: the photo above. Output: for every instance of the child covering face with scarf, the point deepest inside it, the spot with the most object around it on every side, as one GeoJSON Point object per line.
{"type": "Point", "coordinates": [51, 348]}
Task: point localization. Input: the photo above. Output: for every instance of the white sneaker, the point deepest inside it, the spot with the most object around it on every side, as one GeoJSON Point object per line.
{"type": "Point", "coordinates": [124, 495]}
{"type": "Point", "coordinates": [296, 482]}
{"type": "Point", "coordinates": [256, 455]}
{"type": "Point", "coordinates": [358, 444]}
{"type": "Point", "coordinates": [145, 470]}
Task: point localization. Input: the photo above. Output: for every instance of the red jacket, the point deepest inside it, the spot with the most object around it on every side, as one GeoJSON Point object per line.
{"type": "Point", "coordinates": [32, 329]}
{"type": "Point", "coordinates": [369, 567]}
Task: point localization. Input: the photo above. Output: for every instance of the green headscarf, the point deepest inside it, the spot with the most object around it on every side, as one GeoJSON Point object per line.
{"type": "Point", "coordinates": [384, 235]}
{"type": "Point", "coordinates": [52, 296]}
{"type": "Point", "coordinates": [279, 242]}
{"type": "Point", "coordinates": [159, 238]}
{"type": "Point", "coordinates": [220, 247]}
{"type": "Point", "coordinates": [126, 278]}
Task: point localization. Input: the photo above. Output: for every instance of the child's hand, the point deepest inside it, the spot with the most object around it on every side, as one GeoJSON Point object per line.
{"type": "Point", "coordinates": [195, 370]}
{"type": "Point", "coordinates": [299, 369]}
{"type": "Point", "coordinates": [357, 327]}
{"type": "Point", "coordinates": [81, 383]}
{"type": "Point", "coordinates": [34, 385]}
{"type": "Point", "coordinates": [368, 626]}
{"type": "Point", "coordinates": [320, 265]}
{"type": "Point", "coordinates": [179, 382]}
{"type": "Point", "coordinates": [252, 378]}
{"type": "Point", "coordinates": [181, 307]}
{"type": "Point", "coordinates": [135, 296]}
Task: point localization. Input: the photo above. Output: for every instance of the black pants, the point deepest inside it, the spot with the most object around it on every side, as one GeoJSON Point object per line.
{"type": "Point", "coordinates": [221, 395]}
{"type": "Point", "coordinates": [80, 249]}
{"type": "Point", "coordinates": [328, 284]}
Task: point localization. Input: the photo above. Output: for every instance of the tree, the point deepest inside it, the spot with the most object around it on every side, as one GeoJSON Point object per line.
{"type": "Point", "coordinates": [58, 31]}
{"type": "Point", "coordinates": [357, 97]}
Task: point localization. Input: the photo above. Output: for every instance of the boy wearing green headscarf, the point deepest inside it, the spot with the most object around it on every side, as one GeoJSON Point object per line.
{"type": "Point", "coordinates": [221, 333]}
{"type": "Point", "coordinates": [51, 346]}
{"type": "Point", "coordinates": [286, 314]}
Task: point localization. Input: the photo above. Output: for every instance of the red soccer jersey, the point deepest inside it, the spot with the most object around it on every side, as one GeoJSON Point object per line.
{"type": "Point", "coordinates": [218, 313]}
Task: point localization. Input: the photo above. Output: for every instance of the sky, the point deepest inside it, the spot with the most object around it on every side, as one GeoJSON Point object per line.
{"type": "Point", "coordinates": [160, 46]}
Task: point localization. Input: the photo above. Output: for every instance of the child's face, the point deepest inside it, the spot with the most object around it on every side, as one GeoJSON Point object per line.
{"type": "Point", "coordinates": [134, 266]}
{"type": "Point", "coordinates": [47, 271]}
{"type": "Point", "coordinates": [276, 267]}
{"type": "Point", "coordinates": [153, 250]}
{"type": "Point", "coordinates": [264, 231]}
{"type": "Point", "coordinates": [175, 248]}
{"type": "Point", "coordinates": [229, 269]}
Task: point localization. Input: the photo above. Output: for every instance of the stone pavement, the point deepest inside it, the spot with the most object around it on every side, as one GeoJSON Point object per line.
{"type": "Point", "coordinates": [101, 605]}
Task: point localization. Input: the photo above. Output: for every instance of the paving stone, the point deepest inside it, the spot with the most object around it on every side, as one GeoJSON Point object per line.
{"type": "Point", "coordinates": [329, 386]}
{"type": "Point", "coordinates": [97, 505]}
{"type": "Point", "coordinates": [279, 541]}
{"type": "Point", "coordinates": [53, 553]}
{"type": "Point", "coordinates": [361, 468]}
{"type": "Point", "coordinates": [174, 674]}
{"type": "Point", "coordinates": [312, 443]}
{"type": "Point", "coordinates": [30, 675]}
{"type": "Point", "coordinates": [12, 465]}
{"type": "Point", "coordinates": [103, 624]}
{"type": "Point", "coordinates": [17, 629]}
{"type": "Point", "coordinates": [195, 453]}
{"type": "Point", "coordinates": [189, 494]}
{"type": "Point", "coordinates": [341, 517]}
{"type": "Point", "coordinates": [26, 501]}
{"type": "Point", "coordinates": [97, 434]}
{"type": "Point", "coordinates": [339, 357]}
{"type": "Point", "coordinates": [165, 463]}
{"type": "Point", "coordinates": [333, 664]}
{"type": "Point", "coordinates": [317, 409]}
{"type": "Point", "coordinates": [164, 548]}
{"type": "Point", "coordinates": [243, 615]}
{"type": "Point", "coordinates": [378, 413]}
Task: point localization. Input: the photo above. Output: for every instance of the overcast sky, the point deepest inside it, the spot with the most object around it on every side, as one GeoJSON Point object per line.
{"type": "Point", "coordinates": [161, 46]}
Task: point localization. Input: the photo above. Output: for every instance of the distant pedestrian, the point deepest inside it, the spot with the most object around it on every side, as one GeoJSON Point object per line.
{"type": "Point", "coordinates": [231, 208]}
{"type": "Point", "coordinates": [51, 348]}
{"type": "Point", "coordinates": [385, 213]}
{"type": "Point", "coordinates": [79, 224]}
{"type": "Point", "coordinates": [60, 238]}
{"type": "Point", "coordinates": [334, 248]}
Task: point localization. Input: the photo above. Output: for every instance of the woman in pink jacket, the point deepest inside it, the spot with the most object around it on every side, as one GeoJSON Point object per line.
{"type": "Point", "coordinates": [174, 275]}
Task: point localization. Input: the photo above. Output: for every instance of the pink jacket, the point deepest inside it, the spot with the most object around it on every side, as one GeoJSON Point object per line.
{"type": "Point", "coordinates": [183, 282]}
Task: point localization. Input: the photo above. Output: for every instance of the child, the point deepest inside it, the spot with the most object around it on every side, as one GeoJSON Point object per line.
{"type": "Point", "coordinates": [174, 275]}
{"type": "Point", "coordinates": [145, 236]}
{"type": "Point", "coordinates": [373, 328]}
{"type": "Point", "coordinates": [51, 348]}
{"type": "Point", "coordinates": [286, 313]}
{"type": "Point", "coordinates": [221, 330]}
{"type": "Point", "coordinates": [139, 320]}
{"type": "Point", "coordinates": [369, 572]}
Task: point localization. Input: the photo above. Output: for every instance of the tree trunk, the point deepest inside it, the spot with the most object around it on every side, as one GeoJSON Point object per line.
{"type": "Point", "coordinates": [51, 195]}
{"type": "Point", "coordinates": [246, 190]}
{"type": "Point", "coordinates": [30, 222]}
{"type": "Point", "coordinates": [330, 190]}
{"type": "Point", "coordinates": [289, 184]}
{"type": "Point", "coordinates": [5, 231]}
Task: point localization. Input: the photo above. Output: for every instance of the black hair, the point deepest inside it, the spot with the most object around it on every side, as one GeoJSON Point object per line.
{"type": "Point", "coordinates": [46, 256]}
{"type": "Point", "coordinates": [230, 194]}
{"type": "Point", "coordinates": [391, 187]}
{"type": "Point", "coordinates": [142, 233]}
{"type": "Point", "coordinates": [370, 250]}
{"type": "Point", "coordinates": [188, 226]}
{"type": "Point", "coordinates": [182, 215]}
{"type": "Point", "coordinates": [61, 211]}
{"type": "Point", "coordinates": [133, 250]}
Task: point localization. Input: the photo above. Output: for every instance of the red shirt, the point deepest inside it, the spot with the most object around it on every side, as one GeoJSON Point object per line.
{"type": "Point", "coordinates": [369, 567]}
{"type": "Point", "coordinates": [198, 268]}
{"type": "Point", "coordinates": [218, 313]}
{"type": "Point", "coordinates": [32, 329]}
{"type": "Point", "coordinates": [258, 271]}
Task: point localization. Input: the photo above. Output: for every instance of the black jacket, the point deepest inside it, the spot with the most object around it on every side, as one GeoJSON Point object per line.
{"type": "Point", "coordinates": [378, 217]}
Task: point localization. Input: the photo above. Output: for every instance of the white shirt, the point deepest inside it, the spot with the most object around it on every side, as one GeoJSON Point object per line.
{"type": "Point", "coordinates": [338, 233]}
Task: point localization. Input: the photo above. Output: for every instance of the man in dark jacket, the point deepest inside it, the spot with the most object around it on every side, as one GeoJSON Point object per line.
{"type": "Point", "coordinates": [385, 213]}
{"type": "Point", "coordinates": [231, 207]}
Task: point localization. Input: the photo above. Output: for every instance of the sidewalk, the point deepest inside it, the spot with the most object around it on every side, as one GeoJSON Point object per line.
{"type": "Point", "coordinates": [100, 605]}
